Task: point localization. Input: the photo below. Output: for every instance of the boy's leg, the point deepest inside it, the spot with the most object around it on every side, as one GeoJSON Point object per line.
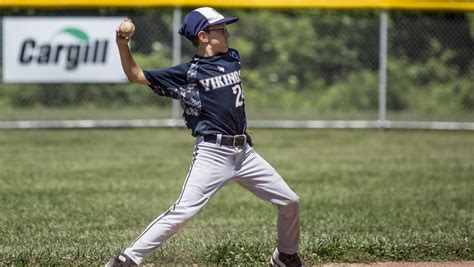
{"type": "Point", "coordinates": [260, 178]}
{"type": "Point", "coordinates": [205, 177]}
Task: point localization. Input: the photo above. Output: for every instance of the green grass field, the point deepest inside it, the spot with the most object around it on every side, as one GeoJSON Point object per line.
{"type": "Point", "coordinates": [76, 197]}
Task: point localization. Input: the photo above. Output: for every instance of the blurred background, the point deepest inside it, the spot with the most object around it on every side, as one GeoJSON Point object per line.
{"type": "Point", "coordinates": [322, 66]}
{"type": "Point", "coordinates": [367, 195]}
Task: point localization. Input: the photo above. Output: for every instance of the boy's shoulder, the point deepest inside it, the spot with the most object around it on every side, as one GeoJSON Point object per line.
{"type": "Point", "coordinates": [233, 53]}
{"type": "Point", "coordinates": [230, 54]}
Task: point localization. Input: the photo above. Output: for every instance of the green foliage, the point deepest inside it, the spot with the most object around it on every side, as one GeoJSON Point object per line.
{"type": "Point", "coordinates": [358, 92]}
{"type": "Point", "coordinates": [157, 60]}
{"type": "Point", "coordinates": [100, 95]}
{"type": "Point", "coordinates": [72, 95]}
{"type": "Point", "coordinates": [429, 86]}
{"type": "Point", "coordinates": [303, 45]}
{"type": "Point", "coordinates": [299, 60]}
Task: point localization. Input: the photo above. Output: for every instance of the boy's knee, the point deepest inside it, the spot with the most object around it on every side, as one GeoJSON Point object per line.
{"type": "Point", "coordinates": [294, 200]}
{"type": "Point", "coordinates": [290, 209]}
{"type": "Point", "coordinates": [291, 202]}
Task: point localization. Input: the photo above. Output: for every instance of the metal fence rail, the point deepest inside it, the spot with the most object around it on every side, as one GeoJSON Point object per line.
{"type": "Point", "coordinates": [301, 69]}
{"type": "Point", "coordinates": [309, 124]}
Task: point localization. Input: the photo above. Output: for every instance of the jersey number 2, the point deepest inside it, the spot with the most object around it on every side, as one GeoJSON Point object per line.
{"type": "Point", "coordinates": [239, 100]}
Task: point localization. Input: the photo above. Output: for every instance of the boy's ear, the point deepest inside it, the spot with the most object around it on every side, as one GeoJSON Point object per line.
{"type": "Point", "coordinates": [203, 37]}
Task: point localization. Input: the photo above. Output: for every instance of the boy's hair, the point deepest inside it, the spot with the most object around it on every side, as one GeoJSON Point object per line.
{"type": "Point", "coordinates": [195, 42]}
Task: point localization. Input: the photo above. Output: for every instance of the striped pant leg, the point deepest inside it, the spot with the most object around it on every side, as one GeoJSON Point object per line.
{"type": "Point", "coordinates": [206, 176]}
{"type": "Point", "coordinates": [259, 177]}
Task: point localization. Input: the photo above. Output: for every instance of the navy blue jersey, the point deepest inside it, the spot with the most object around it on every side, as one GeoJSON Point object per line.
{"type": "Point", "coordinates": [210, 92]}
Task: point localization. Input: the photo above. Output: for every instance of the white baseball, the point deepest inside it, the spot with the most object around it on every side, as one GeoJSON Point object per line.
{"type": "Point", "coordinates": [126, 28]}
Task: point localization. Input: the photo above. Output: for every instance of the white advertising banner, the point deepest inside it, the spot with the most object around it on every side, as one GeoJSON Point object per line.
{"type": "Point", "coordinates": [61, 50]}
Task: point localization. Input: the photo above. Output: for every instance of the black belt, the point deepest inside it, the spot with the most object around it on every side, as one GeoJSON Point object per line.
{"type": "Point", "coordinates": [226, 140]}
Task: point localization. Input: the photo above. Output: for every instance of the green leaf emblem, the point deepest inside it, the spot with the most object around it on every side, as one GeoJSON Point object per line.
{"type": "Point", "coordinates": [76, 33]}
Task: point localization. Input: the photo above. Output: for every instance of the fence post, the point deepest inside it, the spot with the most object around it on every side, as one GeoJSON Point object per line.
{"type": "Point", "coordinates": [176, 58]}
{"type": "Point", "coordinates": [383, 69]}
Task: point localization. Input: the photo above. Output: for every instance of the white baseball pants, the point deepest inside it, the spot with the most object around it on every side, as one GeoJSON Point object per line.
{"type": "Point", "coordinates": [212, 167]}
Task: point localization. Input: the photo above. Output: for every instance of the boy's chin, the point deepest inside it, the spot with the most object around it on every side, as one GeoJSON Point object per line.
{"type": "Point", "coordinates": [224, 48]}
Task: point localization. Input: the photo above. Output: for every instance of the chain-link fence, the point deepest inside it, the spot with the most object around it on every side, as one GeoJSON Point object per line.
{"type": "Point", "coordinates": [304, 65]}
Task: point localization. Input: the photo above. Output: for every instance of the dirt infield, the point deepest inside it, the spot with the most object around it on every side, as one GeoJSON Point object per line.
{"type": "Point", "coordinates": [404, 264]}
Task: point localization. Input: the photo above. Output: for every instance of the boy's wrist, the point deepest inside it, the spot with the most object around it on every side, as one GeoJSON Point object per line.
{"type": "Point", "coordinates": [122, 46]}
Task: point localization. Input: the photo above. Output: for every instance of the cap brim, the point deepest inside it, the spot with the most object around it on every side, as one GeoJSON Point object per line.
{"type": "Point", "coordinates": [225, 20]}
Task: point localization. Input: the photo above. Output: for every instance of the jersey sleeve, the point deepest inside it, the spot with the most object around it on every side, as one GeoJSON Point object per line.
{"type": "Point", "coordinates": [234, 53]}
{"type": "Point", "coordinates": [171, 82]}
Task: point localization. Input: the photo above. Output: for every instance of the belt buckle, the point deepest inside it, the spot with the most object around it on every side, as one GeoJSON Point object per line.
{"type": "Point", "coordinates": [238, 138]}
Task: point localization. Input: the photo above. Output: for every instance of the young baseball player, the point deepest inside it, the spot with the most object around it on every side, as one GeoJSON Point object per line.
{"type": "Point", "coordinates": [210, 91]}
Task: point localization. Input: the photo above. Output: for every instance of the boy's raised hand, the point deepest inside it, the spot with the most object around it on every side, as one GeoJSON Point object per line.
{"type": "Point", "coordinates": [124, 32]}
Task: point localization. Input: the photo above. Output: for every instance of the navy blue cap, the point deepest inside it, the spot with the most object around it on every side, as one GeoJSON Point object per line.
{"type": "Point", "coordinates": [201, 18]}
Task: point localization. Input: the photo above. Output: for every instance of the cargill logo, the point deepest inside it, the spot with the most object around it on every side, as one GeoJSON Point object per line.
{"type": "Point", "coordinates": [69, 47]}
